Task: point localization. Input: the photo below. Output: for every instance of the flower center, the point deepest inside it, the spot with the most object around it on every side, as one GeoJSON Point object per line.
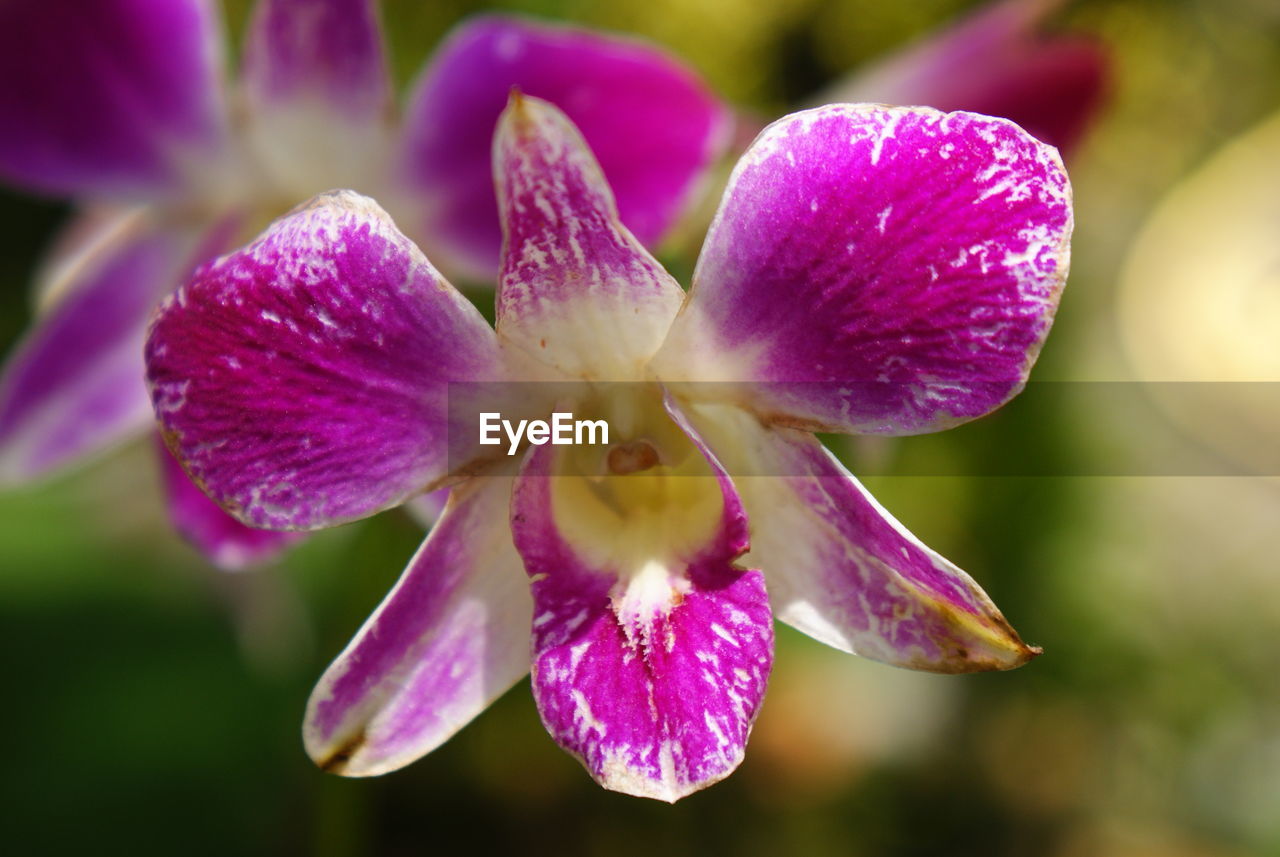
{"type": "Point", "coordinates": [647, 503]}
{"type": "Point", "coordinates": [632, 457]}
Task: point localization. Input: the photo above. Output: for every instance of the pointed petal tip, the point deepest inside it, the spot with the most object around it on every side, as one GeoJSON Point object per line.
{"type": "Point", "coordinates": [450, 637]}
{"type": "Point", "coordinates": [975, 644]}
{"type": "Point", "coordinates": [524, 113]}
{"type": "Point", "coordinates": [347, 757]}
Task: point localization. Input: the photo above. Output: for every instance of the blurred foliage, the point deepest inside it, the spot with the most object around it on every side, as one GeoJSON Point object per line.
{"type": "Point", "coordinates": [154, 705]}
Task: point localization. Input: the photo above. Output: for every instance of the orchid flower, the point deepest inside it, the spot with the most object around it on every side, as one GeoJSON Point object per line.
{"type": "Point", "coordinates": [870, 269]}
{"type": "Point", "coordinates": [122, 106]}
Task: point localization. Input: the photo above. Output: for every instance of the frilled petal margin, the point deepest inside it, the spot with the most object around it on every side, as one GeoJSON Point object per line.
{"type": "Point", "coordinates": [449, 639]}
{"type": "Point", "coordinates": [220, 538]}
{"type": "Point", "coordinates": [841, 568]}
{"type": "Point", "coordinates": [113, 96]}
{"type": "Point", "coordinates": [74, 385]}
{"type": "Point", "coordinates": [651, 122]}
{"type": "Point", "coordinates": [302, 381]}
{"type": "Point", "coordinates": [577, 291]}
{"type": "Point", "coordinates": [879, 270]}
{"type": "Point", "coordinates": [651, 648]}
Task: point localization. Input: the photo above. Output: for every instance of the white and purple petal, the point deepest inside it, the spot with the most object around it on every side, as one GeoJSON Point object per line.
{"type": "Point", "coordinates": [303, 380]}
{"type": "Point", "coordinates": [110, 97]}
{"type": "Point", "coordinates": [74, 385]}
{"type": "Point", "coordinates": [328, 51]}
{"type": "Point", "coordinates": [449, 639]}
{"type": "Point", "coordinates": [222, 539]}
{"type": "Point", "coordinates": [576, 291]}
{"type": "Point", "coordinates": [319, 96]}
{"type": "Point", "coordinates": [880, 270]}
{"type": "Point", "coordinates": [651, 653]}
{"type": "Point", "coordinates": [840, 567]}
{"type": "Point", "coordinates": [651, 122]}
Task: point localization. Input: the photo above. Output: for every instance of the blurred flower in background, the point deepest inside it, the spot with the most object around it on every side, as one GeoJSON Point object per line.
{"type": "Point", "coordinates": [122, 105]}
{"type": "Point", "coordinates": [1199, 302]}
{"type": "Point", "coordinates": [997, 61]}
{"type": "Point", "coordinates": [171, 167]}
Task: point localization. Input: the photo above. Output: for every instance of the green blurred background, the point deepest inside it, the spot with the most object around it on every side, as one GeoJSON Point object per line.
{"type": "Point", "coordinates": [154, 706]}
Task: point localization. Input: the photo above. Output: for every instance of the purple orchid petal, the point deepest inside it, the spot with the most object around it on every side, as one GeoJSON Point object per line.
{"type": "Point", "coordinates": [996, 63]}
{"type": "Point", "coordinates": [222, 539]}
{"type": "Point", "coordinates": [651, 651]}
{"type": "Point", "coordinates": [447, 641]}
{"type": "Point", "coordinates": [110, 97]}
{"type": "Point", "coordinates": [319, 97]}
{"type": "Point", "coordinates": [577, 290]}
{"type": "Point", "coordinates": [841, 569]}
{"type": "Point", "coordinates": [73, 386]}
{"type": "Point", "coordinates": [302, 381]}
{"type": "Point", "coordinates": [327, 51]}
{"type": "Point", "coordinates": [651, 122]}
{"type": "Point", "coordinates": [881, 270]}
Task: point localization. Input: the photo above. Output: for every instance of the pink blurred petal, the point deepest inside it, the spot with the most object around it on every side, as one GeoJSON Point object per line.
{"type": "Point", "coordinates": [996, 62]}
{"type": "Point", "coordinates": [320, 112]}
{"type": "Point", "coordinates": [109, 97]}
{"type": "Point", "coordinates": [74, 384]}
{"type": "Point", "coordinates": [328, 51]}
{"type": "Point", "coordinates": [651, 122]}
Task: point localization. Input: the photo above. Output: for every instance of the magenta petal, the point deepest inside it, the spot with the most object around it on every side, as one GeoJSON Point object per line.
{"type": "Point", "coordinates": [222, 539]}
{"type": "Point", "coordinates": [649, 669]}
{"type": "Point", "coordinates": [74, 385]}
{"type": "Point", "coordinates": [651, 122]}
{"type": "Point", "coordinates": [447, 641]}
{"type": "Point", "coordinates": [111, 96]}
{"type": "Point", "coordinates": [995, 62]}
{"type": "Point", "coordinates": [326, 51]}
{"type": "Point", "coordinates": [302, 381]}
{"type": "Point", "coordinates": [577, 290]}
{"type": "Point", "coordinates": [842, 570]}
{"type": "Point", "coordinates": [881, 270]}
